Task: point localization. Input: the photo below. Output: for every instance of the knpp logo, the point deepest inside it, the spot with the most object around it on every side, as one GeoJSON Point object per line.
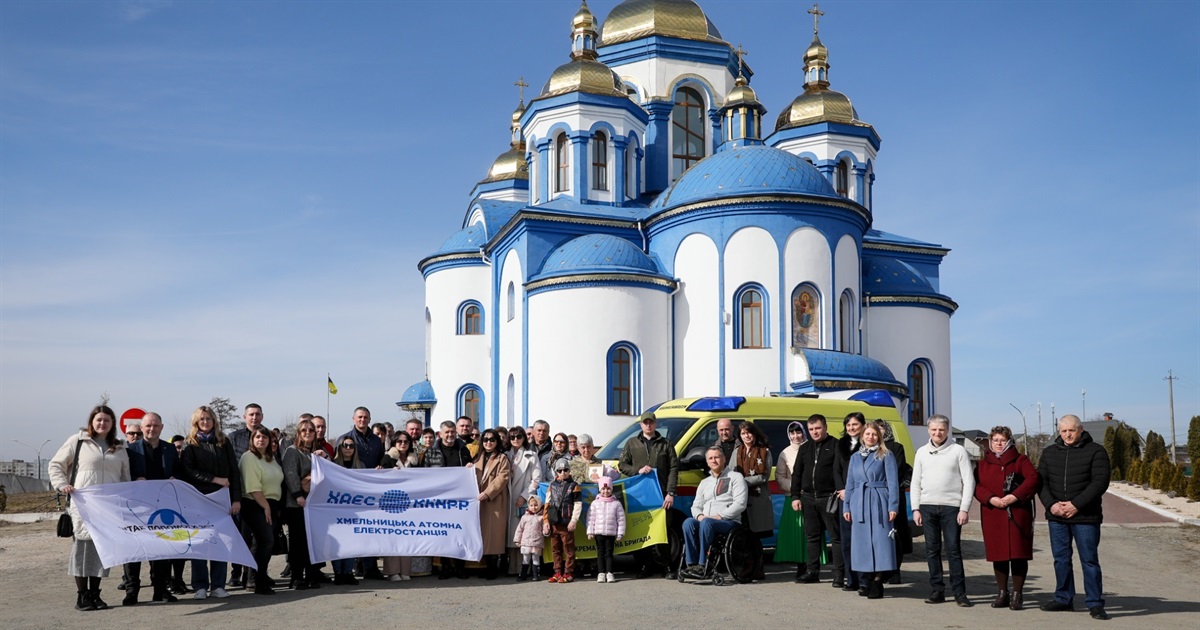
{"type": "Point", "coordinates": [394, 501]}
{"type": "Point", "coordinates": [168, 517]}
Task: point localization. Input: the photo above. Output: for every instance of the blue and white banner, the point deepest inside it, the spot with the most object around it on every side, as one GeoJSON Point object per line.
{"type": "Point", "coordinates": [159, 520]}
{"type": "Point", "coordinates": [398, 512]}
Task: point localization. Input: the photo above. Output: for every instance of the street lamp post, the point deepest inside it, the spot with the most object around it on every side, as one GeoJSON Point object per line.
{"type": "Point", "coordinates": [1024, 428]}
{"type": "Point", "coordinates": [38, 450]}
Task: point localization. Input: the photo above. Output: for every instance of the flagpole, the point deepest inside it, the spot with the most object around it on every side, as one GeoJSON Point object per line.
{"type": "Point", "coordinates": [327, 379]}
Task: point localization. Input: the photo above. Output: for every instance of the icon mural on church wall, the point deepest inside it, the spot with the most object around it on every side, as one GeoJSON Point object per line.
{"type": "Point", "coordinates": [806, 320]}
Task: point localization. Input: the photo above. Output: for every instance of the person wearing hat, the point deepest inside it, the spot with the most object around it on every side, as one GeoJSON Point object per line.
{"type": "Point", "coordinates": [587, 461]}
{"type": "Point", "coordinates": [648, 452]}
{"type": "Point", "coordinates": [563, 505]}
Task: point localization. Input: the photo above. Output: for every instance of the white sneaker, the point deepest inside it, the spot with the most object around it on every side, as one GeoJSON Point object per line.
{"type": "Point", "coordinates": [200, 594]}
{"type": "Point", "coordinates": [610, 578]}
{"type": "Point", "coordinates": [405, 578]}
{"type": "Point", "coordinates": [395, 577]}
{"type": "Point", "coordinates": [600, 578]}
{"type": "Point", "coordinates": [219, 593]}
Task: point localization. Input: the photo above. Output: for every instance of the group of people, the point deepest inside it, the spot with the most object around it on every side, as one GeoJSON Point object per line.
{"type": "Point", "coordinates": [849, 490]}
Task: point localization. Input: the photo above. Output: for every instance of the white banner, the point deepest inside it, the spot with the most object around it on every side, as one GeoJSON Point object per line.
{"type": "Point", "coordinates": [398, 512]}
{"type": "Point", "coordinates": [159, 520]}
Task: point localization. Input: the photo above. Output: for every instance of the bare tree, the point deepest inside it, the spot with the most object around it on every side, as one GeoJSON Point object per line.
{"type": "Point", "coordinates": [226, 411]}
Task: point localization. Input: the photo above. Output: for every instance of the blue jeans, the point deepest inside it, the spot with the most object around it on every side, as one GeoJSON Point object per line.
{"type": "Point", "coordinates": [941, 522]}
{"type": "Point", "coordinates": [200, 574]}
{"type": "Point", "coordinates": [698, 536]}
{"type": "Point", "coordinates": [1087, 540]}
{"type": "Point", "coordinates": [343, 566]}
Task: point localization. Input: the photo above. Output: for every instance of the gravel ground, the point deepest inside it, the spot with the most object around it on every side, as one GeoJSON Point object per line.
{"type": "Point", "coordinates": [1149, 583]}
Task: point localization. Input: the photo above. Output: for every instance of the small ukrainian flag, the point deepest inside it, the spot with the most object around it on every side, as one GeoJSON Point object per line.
{"type": "Point", "coordinates": [332, 387]}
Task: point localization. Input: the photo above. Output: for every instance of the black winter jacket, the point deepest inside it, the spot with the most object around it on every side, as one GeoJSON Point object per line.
{"type": "Point", "coordinates": [841, 465]}
{"type": "Point", "coordinates": [812, 472]}
{"type": "Point", "coordinates": [200, 463]}
{"type": "Point", "coordinates": [1078, 473]}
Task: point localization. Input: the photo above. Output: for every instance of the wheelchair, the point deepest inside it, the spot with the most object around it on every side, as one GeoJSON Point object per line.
{"type": "Point", "coordinates": [735, 555]}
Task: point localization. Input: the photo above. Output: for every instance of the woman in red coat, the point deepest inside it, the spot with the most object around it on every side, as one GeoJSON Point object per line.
{"type": "Point", "coordinates": [1005, 484]}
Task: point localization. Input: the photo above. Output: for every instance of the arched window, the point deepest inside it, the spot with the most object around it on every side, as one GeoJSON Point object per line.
{"type": "Point", "coordinates": [750, 304]}
{"type": "Point", "coordinates": [920, 392]}
{"type": "Point", "coordinates": [847, 327]}
{"type": "Point", "coordinates": [512, 401]}
{"type": "Point", "coordinates": [512, 301]}
{"type": "Point", "coordinates": [806, 317]}
{"type": "Point", "coordinates": [630, 151]}
{"type": "Point", "coordinates": [623, 380]}
{"type": "Point", "coordinates": [600, 161]}
{"type": "Point", "coordinates": [842, 179]}
{"type": "Point", "coordinates": [687, 123]}
{"type": "Point", "coordinates": [562, 168]}
{"type": "Point", "coordinates": [470, 318]}
{"type": "Point", "coordinates": [470, 403]}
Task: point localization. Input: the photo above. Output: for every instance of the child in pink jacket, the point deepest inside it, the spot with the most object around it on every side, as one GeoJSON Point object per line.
{"type": "Point", "coordinates": [605, 525]}
{"type": "Point", "coordinates": [529, 538]}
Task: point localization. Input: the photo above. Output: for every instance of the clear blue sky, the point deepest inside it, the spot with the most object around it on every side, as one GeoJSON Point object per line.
{"type": "Point", "coordinates": [205, 199]}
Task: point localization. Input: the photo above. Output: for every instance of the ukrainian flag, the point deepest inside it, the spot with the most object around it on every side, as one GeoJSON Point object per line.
{"type": "Point", "coordinates": [332, 387]}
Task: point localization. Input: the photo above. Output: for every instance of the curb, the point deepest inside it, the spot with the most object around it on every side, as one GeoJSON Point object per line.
{"type": "Point", "coordinates": [1179, 518]}
{"type": "Point", "coordinates": [29, 517]}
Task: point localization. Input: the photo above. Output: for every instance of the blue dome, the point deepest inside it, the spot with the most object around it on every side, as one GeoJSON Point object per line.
{"type": "Point", "coordinates": [417, 394]}
{"type": "Point", "coordinates": [598, 253]}
{"type": "Point", "coordinates": [752, 170]}
{"type": "Point", "coordinates": [888, 276]}
{"type": "Point", "coordinates": [468, 239]}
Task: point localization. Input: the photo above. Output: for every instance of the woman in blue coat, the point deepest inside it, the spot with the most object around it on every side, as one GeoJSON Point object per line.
{"type": "Point", "coordinates": [872, 501]}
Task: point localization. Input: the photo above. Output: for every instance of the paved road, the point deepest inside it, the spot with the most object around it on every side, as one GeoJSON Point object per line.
{"type": "Point", "coordinates": [1120, 511]}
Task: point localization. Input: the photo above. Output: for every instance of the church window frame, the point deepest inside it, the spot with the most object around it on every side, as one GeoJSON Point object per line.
{"type": "Point", "coordinates": [623, 382]}
{"type": "Point", "coordinates": [689, 131]}
{"type": "Point", "coordinates": [841, 178]}
{"type": "Point", "coordinates": [562, 164]}
{"type": "Point", "coordinates": [470, 318]}
{"type": "Point", "coordinates": [920, 391]}
{"type": "Point", "coordinates": [511, 299]}
{"type": "Point", "coordinates": [750, 317]}
{"type": "Point", "coordinates": [847, 323]}
{"type": "Point", "coordinates": [600, 161]}
{"type": "Point", "coordinates": [469, 403]}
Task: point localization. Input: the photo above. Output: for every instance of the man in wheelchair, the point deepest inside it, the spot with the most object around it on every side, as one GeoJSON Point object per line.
{"type": "Point", "coordinates": [720, 501]}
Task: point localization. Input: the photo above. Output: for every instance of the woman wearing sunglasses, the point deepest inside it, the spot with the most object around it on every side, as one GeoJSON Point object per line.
{"type": "Point", "coordinates": [523, 481]}
{"type": "Point", "coordinates": [297, 470]}
{"type": "Point", "coordinates": [492, 472]}
{"type": "Point", "coordinates": [400, 455]}
{"type": "Point", "coordinates": [345, 454]}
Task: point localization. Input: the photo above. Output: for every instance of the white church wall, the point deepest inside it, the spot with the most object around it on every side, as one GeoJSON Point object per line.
{"type": "Point", "coordinates": [511, 351]}
{"type": "Point", "coordinates": [899, 335]}
{"type": "Point", "coordinates": [464, 358]}
{"type": "Point", "coordinates": [697, 320]}
{"type": "Point", "coordinates": [571, 332]}
{"type": "Point", "coordinates": [847, 276]}
{"type": "Point", "coordinates": [807, 259]}
{"type": "Point", "coordinates": [657, 77]}
{"type": "Point", "coordinates": [751, 256]}
{"type": "Point", "coordinates": [827, 146]}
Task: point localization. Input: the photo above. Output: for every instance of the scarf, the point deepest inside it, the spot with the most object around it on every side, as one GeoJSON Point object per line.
{"type": "Point", "coordinates": [867, 450]}
{"type": "Point", "coordinates": [210, 436]}
{"type": "Point", "coordinates": [1007, 445]}
{"type": "Point", "coordinates": [753, 461]}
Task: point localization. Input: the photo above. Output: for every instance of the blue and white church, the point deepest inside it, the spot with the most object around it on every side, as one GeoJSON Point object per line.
{"type": "Point", "coordinates": [647, 237]}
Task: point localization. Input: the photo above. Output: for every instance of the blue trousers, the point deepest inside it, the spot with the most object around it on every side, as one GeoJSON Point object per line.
{"type": "Point", "coordinates": [940, 523]}
{"type": "Point", "coordinates": [343, 566]}
{"type": "Point", "coordinates": [201, 577]}
{"type": "Point", "coordinates": [698, 536]}
{"type": "Point", "coordinates": [1087, 540]}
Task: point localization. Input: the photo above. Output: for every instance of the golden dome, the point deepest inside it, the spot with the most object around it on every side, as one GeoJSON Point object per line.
{"type": "Point", "coordinates": [741, 94]}
{"type": "Point", "coordinates": [818, 106]}
{"type": "Point", "coordinates": [816, 51]}
{"type": "Point", "coordinates": [584, 75]}
{"type": "Point", "coordinates": [510, 165]}
{"type": "Point", "coordinates": [635, 19]}
{"type": "Point", "coordinates": [584, 18]}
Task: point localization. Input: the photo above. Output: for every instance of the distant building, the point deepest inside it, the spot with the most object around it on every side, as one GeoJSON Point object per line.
{"type": "Point", "coordinates": [19, 467]}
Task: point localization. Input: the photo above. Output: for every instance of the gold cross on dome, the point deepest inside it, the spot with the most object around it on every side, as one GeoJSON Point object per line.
{"type": "Point", "coordinates": [740, 52]}
{"type": "Point", "coordinates": [816, 12]}
{"type": "Point", "coordinates": [521, 85]}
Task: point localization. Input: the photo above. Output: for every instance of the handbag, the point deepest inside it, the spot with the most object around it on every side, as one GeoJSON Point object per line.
{"type": "Point", "coordinates": [832, 504]}
{"type": "Point", "coordinates": [66, 527]}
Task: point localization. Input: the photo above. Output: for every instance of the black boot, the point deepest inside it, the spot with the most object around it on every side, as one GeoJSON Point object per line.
{"type": "Point", "coordinates": [875, 589]}
{"type": "Point", "coordinates": [97, 603]}
{"type": "Point", "coordinates": [163, 594]}
{"type": "Point", "coordinates": [490, 567]}
{"type": "Point", "coordinates": [1001, 600]}
{"type": "Point", "coordinates": [524, 574]}
{"type": "Point", "coordinates": [131, 593]}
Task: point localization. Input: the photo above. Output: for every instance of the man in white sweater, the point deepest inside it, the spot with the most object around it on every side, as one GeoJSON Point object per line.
{"type": "Point", "coordinates": [943, 482]}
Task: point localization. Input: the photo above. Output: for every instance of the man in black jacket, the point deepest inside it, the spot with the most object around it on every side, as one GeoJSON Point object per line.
{"type": "Point", "coordinates": [448, 451]}
{"type": "Point", "coordinates": [1075, 474]}
{"type": "Point", "coordinates": [812, 489]}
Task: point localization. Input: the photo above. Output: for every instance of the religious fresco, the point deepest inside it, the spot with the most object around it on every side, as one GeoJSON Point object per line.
{"type": "Point", "coordinates": [806, 318]}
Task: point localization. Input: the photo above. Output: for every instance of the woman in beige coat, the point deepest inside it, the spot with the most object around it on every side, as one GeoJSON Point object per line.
{"type": "Point", "coordinates": [102, 459]}
{"type": "Point", "coordinates": [492, 469]}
